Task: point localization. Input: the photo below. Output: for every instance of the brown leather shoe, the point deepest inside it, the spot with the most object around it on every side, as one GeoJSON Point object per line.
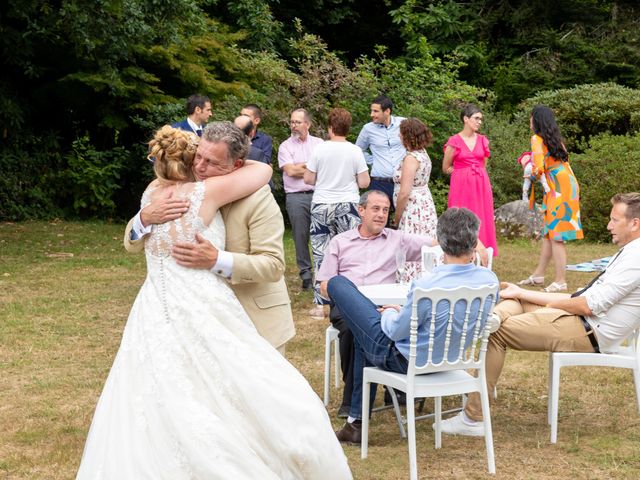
{"type": "Point", "coordinates": [351, 433]}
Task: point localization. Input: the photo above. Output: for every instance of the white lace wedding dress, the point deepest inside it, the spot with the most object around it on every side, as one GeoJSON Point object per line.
{"type": "Point", "coordinates": [195, 393]}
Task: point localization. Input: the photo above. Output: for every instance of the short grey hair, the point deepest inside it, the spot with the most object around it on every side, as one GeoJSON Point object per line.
{"type": "Point", "coordinates": [364, 198]}
{"type": "Point", "coordinates": [457, 231]}
{"type": "Point", "coordinates": [305, 113]}
{"type": "Point", "coordinates": [227, 132]}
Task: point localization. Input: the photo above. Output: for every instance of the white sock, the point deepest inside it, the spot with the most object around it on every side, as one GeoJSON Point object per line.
{"type": "Point", "coordinates": [467, 420]}
{"type": "Point", "coordinates": [350, 419]}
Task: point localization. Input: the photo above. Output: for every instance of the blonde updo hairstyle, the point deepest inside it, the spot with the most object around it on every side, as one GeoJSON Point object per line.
{"type": "Point", "coordinates": [172, 151]}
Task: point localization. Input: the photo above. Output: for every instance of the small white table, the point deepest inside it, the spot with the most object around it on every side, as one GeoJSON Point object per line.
{"type": "Point", "coordinates": [386, 293]}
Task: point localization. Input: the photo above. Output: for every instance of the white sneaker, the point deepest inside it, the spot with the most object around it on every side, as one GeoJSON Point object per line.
{"type": "Point", "coordinates": [457, 426]}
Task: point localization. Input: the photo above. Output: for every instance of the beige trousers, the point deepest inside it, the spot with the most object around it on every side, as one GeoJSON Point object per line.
{"type": "Point", "coordinates": [530, 327]}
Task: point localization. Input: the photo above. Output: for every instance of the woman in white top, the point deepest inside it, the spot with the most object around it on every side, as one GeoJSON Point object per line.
{"type": "Point", "coordinates": [338, 170]}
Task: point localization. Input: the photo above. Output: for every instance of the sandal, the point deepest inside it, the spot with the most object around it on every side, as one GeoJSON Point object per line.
{"type": "Point", "coordinates": [535, 281]}
{"type": "Point", "coordinates": [556, 287]}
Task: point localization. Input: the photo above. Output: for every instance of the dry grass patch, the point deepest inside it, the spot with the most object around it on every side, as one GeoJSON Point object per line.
{"type": "Point", "coordinates": [62, 318]}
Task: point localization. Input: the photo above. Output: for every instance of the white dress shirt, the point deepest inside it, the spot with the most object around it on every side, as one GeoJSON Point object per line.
{"type": "Point", "coordinates": [614, 299]}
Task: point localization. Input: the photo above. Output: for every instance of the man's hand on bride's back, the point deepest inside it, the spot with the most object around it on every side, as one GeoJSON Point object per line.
{"type": "Point", "coordinates": [163, 209]}
{"type": "Point", "coordinates": [201, 254]}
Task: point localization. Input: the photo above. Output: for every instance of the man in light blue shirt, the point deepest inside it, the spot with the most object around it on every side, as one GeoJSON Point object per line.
{"type": "Point", "coordinates": [380, 141]}
{"type": "Point", "coordinates": [382, 339]}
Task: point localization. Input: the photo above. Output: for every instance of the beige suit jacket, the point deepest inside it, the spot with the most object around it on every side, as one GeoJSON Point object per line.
{"type": "Point", "coordinates": [254, 230]}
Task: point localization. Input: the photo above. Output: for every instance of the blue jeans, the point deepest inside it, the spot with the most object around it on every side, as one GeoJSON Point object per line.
{"type": "Point", "coordinates": [372, 346]}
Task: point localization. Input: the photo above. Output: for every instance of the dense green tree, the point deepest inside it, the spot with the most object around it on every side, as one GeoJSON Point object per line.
{"type": "Point", "coordinates": [79, 69]}
{"type": "Point", "coordinates": [520, 47]}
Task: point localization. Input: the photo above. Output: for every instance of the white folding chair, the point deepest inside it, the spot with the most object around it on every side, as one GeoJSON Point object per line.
{"type": "Point", "coordinates": [331, 337]}
{"type": "Point", "coordinates": [434, 256]}
{"type": "Point", "coordinates": [627, 357]}
{"type": "Point", "coordinates": [450, 375]}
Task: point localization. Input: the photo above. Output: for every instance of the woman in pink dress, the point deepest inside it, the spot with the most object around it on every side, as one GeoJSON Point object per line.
{"type": "Point", "coordinates": [465, 156]}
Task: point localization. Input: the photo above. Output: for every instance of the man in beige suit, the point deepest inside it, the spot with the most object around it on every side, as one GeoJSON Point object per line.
{"type": "Point", "coordinates": [253, 261]}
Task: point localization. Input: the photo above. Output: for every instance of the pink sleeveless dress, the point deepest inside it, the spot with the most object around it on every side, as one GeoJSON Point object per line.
{"type": "Point", "coordinates": [470, 186]}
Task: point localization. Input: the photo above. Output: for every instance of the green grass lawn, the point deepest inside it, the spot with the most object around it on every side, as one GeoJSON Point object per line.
{"type": "Point", "coordinates": [65, 293]}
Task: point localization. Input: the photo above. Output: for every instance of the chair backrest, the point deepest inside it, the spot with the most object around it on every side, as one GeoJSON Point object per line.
{"type": "Point", "coordinates": [456, 325]}
{"type": "Point", "coordinates": [434, 256]}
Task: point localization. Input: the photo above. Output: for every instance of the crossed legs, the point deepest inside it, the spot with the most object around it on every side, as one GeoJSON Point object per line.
{"type": "Point", "coordinates": [530, 327]}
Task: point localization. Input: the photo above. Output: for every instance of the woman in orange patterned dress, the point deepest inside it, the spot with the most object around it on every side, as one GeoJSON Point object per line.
{"type": "Point", "coordinates": [561, 205]}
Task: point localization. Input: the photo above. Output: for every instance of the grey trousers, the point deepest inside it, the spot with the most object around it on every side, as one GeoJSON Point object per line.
{"type": "Point", "coordinates": [298, 207]}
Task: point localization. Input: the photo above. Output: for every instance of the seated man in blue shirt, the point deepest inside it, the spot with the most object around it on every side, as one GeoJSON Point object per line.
{"type": "Point", "coordinates": [381, 336]}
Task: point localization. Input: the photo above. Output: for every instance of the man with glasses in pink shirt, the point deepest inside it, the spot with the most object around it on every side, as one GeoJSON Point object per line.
{"type": "Point", "coordinates": [293, 155]}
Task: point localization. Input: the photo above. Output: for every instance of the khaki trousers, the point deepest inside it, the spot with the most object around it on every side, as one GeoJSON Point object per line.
{"type": "Point", "coordinates": [530, 327]}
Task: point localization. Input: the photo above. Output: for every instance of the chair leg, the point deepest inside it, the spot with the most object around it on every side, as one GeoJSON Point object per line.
{"type": "Point", "coordinates": [636, 379]}
{"type": "Point", "coordinates": [549, 400]}
{"type": "Point", "coordinates": [437, 401]}
{"type": "Point", "coordinates": [396, 410]}
{"type": "Point", "coordinates": [411, 426]}
{"type": "Point", "coordinates": [554, 394]}
{"type": "Point", "coordinates": [488, 433]}
{"type": "Point", "coordinates": [364, 446]}
{"type": "Point", "coordinates": [327, 367]}
{"type": "Point", "coordinates": [336, 363]}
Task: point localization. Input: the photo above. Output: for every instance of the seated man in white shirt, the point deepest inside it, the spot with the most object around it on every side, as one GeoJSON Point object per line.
{"type": "Point", "coordinates": [595, 319]}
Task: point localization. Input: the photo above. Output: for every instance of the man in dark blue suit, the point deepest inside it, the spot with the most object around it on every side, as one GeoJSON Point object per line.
{"type": "Point", "coordinates": [258, 139]}
{"type": "Point", "coordinates": [198, 113]}
{"type": "Point", "coordinates": [245, 124]}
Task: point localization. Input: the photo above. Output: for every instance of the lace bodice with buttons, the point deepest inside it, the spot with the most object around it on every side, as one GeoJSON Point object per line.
{"type": "Point", "coordinates": [183, 229]}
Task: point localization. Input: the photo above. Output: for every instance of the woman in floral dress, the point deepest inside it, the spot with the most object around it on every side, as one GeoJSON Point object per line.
{"type": "Point", "coordinates": [415, 211]}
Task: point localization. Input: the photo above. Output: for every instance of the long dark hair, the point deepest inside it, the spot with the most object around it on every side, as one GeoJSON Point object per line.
{"type": "Point", "coordinates": [544, 125]}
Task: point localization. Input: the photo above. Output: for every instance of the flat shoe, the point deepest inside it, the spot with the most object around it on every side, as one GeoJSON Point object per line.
{"type": "Point", "coordinates": [556, 287]}
{"type": "Point", "coordinates": [535, 281]}
{"type": "Point", "coordinates": [317, 312]}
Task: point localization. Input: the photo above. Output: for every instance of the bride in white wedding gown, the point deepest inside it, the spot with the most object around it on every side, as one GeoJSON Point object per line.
{"type": "Point", "coordinates": [194, 392]}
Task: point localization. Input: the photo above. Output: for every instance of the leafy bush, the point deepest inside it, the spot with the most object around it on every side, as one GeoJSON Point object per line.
{"type": "Point", "coordinates": [588, 110]}
{"type": "Point", "coordinates": [30, 168]}
{"type": "Point", "coordinates": [93, 177]}
{"type": "Point", "coordinates": [507, 140]}
{"type": "Point", "coordinates": [587, 116]}
{"type": "Point", "coordinates": [608, 166]}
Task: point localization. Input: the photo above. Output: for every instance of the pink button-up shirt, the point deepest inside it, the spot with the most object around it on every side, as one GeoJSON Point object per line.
{"type": "Point", "coordinates": [293, 150]}
{"type": "Point", "coordinates": [369, 261]}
